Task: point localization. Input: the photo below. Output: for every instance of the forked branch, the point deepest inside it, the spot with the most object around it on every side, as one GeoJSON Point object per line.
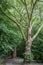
{"type": "Point", "coordinates": [32, 8]}
{"type": "Point", "coordinates": [25, 4]}
{"type": "Point", "coordinates": [18, 12]}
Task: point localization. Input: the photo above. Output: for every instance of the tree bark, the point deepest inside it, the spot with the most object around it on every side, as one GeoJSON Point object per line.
{"type": "Point", "coordinates": [28, 41]}
{"type": "Point", "coordinates": [28, 45]}
{"type": "Point", "coordinates": [14, 52]}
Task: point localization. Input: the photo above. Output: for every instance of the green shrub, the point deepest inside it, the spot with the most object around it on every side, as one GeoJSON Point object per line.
{"type": "Point", "coordinates": [29, 57]}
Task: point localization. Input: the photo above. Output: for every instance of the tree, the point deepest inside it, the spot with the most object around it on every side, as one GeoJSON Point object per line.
{"type": "Point", "coordinates": [30, 14]}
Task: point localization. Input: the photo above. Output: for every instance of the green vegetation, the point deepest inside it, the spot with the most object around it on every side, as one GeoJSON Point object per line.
{"type": "Point", "coordinates": [21, 25]}
{"type": "Point", "coordinates": [29, 57]}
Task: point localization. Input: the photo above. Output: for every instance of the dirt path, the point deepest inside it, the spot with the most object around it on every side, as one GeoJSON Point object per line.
{"type": "Point", "coordinates": [23, 64]}
{"type": "Point", "coordinates": [19, 62]}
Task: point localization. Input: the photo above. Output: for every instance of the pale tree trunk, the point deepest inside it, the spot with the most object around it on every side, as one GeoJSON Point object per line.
{"type": "Point", "coordinates": [29, 39]}
{"type": "Point", "coordinates": [28, 42]}
{"type": "Point", "coordinates": [28, 48]}
{"type": "Point", "coordinates": [28, 45]}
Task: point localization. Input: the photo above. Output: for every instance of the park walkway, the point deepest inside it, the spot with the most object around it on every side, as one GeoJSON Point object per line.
{"type": "Point", "coordinates": [19, 62]}
{"type": "Point", "coordinates": [23, 64]}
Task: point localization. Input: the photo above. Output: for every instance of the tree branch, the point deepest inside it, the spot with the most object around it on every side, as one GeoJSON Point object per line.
{"type": "Point", "coordinates": [26, 9]}
{"type": "Point", "coordinates": [19, 13]}
{"type": "Point", "coordinates": [30, 17]}
{"type": "Point", "coordinates": [33, 23]}
{"type": "Point", "coordinates": [20, 28]}
{"type": "Point", "coordinates": [32, 8]}
{"type": "Point", "coordinates": [13, 16]}
{"type": "Point", "coordinates": [37, 32]}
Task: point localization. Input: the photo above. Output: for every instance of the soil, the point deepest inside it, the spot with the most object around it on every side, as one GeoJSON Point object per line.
{"type": "Point", "coordinates": [18, 62]}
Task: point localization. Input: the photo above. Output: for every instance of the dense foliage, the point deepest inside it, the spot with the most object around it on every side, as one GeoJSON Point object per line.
{"type": "Point", "coordinates": [8, 35]}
